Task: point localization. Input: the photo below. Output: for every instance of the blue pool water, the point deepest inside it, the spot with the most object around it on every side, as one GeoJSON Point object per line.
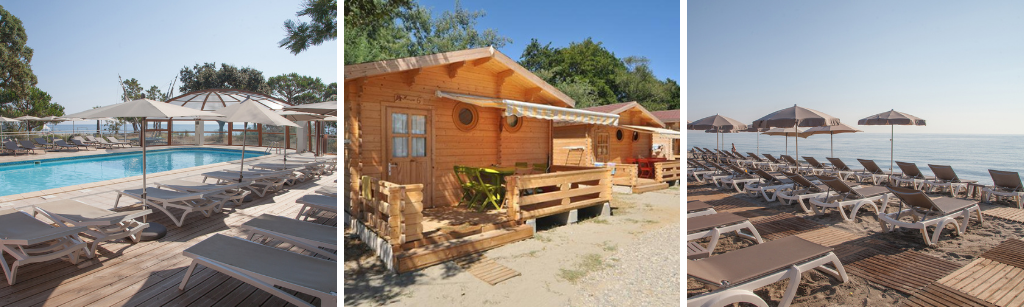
{"type": "Point", "coordinates": [24, 177]}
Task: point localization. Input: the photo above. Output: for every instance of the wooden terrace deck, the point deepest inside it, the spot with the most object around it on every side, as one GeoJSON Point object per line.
{"type": "Point", "coordinates": [148, 273]}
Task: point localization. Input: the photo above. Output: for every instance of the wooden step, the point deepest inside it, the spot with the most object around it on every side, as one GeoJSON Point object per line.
{"type": "Point", "coordinates": [649, 187]}
{"type": "Point", "coordinates": [429, 255]}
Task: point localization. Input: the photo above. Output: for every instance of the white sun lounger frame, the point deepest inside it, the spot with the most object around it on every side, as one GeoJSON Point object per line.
{"type": "Point", "coordinates": [189, 202]}
{"type": "Point", "coordinates": [889, 221]}
{"type": "Point", "coordinates": [67, 243]}
{"type": "Point", "coordinates": [116, 226]}
{"type": "Point", "coordinates": [744, 292]}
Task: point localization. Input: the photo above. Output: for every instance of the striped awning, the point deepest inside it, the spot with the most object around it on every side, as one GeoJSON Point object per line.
{"type": "Point", "coordinates": [666, 132]}
{"type": "Point", "coordinates": [534, 110]}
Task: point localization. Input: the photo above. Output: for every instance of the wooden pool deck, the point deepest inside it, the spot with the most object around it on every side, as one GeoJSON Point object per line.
{"type": "Point", "coordinates": [148, 273]}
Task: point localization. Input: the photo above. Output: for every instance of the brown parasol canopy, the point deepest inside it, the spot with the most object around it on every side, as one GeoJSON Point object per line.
{"type": "Point", "coordinates": [891, 118]}
{"type": "Point", "coordinates": [831, 130]}
{"type": "Point", "coordinates": [787, 132]}
{"type": "Point", "coordinates": [796, 116]}
{"type": "Point", "coordinates": [718, 123]}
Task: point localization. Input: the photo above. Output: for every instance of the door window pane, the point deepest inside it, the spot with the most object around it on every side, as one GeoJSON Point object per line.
{"type": "Point", "coordinates": [399, 147]}
{"type": "Point", "coordinates": [419, 124]}
{"type": "Point", "coordinates": [398, 123]}
{"type": "Point", "coordinates": [419, 147]}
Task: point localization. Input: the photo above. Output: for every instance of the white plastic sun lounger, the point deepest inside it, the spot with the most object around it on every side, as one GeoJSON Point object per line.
{"type": "Point", "coordinates": [735, 275]}
{"type": "Point", "coordinates": [713, 225]}
{"type": "Point", "coordinates": [262, 182]}
{"type": "Point", "coordinates": [331, 191]}
{"type": "Point", "coordinates": [698, 208]}
{"type": "Point", "coordinates": [19, 230]}
{"type": "Point", "coordinates": [164, 200]}
{"type": "Point", "coordinates": [103, 225]}
{"type": "Point", "coordinates": [848, 197]}
{"type": "Point", "coordinates": [316, 203]}
{"type": "Point", "coordinates": [220, 194]}
{"type": "Point", "coordinates": [294, 167]}
{"type": "Point", "coordinates": [927, 212]}
{"type": "Point", "coordinates": [309, 236]}
{"type": "Point", "coordinates": [265, 267]}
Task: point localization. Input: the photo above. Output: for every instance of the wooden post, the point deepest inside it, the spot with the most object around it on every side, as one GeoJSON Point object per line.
{"type": "Point", "coordinates": [395, 195]}
{"type": "Point", "coordinates": [512, 197]}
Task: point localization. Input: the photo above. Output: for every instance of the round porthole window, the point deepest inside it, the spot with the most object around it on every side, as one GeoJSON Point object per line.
{"type": "Point", "coordinates": [512, 123]}
{"type": "Point", "coordinates": [465, 116]}
{"type": "Point", "coordinates": [618, 134]}
{"type": "Point", "coordinates": [636, 135]}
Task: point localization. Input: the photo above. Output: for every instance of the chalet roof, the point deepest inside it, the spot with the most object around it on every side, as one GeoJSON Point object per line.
{"type": "Point", "coordinates": [477, 56]}
{"type": "Point", "coordinates": [618, 108]}
{"type": "Point", "coordinates": [668, 116]}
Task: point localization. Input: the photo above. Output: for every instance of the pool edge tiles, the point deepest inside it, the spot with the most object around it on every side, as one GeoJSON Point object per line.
{"type": "Point", "coordinates": [148, 151]}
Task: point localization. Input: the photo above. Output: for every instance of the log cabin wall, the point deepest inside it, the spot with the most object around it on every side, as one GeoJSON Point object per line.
{"type": "Point", "coordinates": [367, 99]}
{"type": "Point", "coordinates": [573, 136]}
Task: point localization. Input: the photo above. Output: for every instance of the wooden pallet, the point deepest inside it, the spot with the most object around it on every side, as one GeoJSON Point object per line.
{"type": "Point", "coordinates": [989, 280]}
{"type": "Point", "coordinates": [829, 236]}
{"type": "Point", "coordinates": [906, 272]}
{"type": "Point", "coordinates": [783, 225]}
{"type": "Point", "coordinates": [941, 296]}
{"type": "Point", "coordinates": [1009, 214]}
{"type": "Point", "coordinates": [1010, 252]}
{"type": "Point", "coordinates": [486, 269]}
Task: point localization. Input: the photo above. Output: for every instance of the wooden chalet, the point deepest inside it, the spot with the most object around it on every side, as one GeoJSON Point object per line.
{"type": "Point", "coordinates": [410, 121]}
{"type": "Point", "coordinates": [639, 148]}
{"type": "Point", "coordinates": [672, 122]}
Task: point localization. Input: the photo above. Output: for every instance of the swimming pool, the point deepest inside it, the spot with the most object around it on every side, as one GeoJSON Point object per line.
{"type": "Point", "coordinates": [37, 175]}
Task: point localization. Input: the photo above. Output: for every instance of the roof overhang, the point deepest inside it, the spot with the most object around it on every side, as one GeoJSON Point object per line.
{"type": "Point", "coordinates": [652, 130]}
{"type": "Point", "coordinates": [534, 110]}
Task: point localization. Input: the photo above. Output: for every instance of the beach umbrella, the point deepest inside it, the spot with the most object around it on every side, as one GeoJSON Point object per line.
{"type": "Point", "coordinates": [757, 136]}
{"type": "Point", "coordinates": [891, 118]}
{"type": "Point", "coordinates": [831, 130]}
{"type": "Point", "coordinates": [324, 108]}
{"type": "Point", "coordinates": [796, 116]}
{"type": "Point", "coordinates": [717, 122]}
{"type": "Point", "coordinates": [6, 120]}
{"type": "Point", "coordinates": [141, 108]}
{"type": "Point", "coordinates": [301, 116]}
{"type": "Point", "coordinates": [721, 132]}
{"type": "Point", "coordinates": [251, 112]}
{"type": "Point", "coordinates": [786, 132]}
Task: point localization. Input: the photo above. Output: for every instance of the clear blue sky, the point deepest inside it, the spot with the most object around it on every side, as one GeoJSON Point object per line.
{"type": "Point", "coordinates": [81, 46]}
{"type": "Point", "coordinates": [956, 64]}
{"type": "Point", "coordinates": [649, 29]}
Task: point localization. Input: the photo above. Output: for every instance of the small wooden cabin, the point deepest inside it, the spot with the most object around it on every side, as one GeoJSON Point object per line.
{"type": "Point", "coordinates": [638, 135]}
{"type": "Point", "coordinates": [672, 122]}
{"type": "Point", "coordinates": [410, 121]}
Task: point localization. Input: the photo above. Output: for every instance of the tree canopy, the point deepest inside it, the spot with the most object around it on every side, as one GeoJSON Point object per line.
{"type": "Point", "coordinates": [36, 103]}
{"type": "Point", "coordinates": [379, 30]}
{"type": "Point", "coordinates": [593, 76]}
{"type": "Point", "coordinates": [297, 89]}
{"type": "Point", "coordinates": [208, 76]}
{"type": "Point", "coordinates": [16, 75]}
{"type": "Point", "coordinates": [323, 26]}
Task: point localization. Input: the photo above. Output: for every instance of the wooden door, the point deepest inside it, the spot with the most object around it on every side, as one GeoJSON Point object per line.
{"type": "Point", "coordinates": [601, 146]}
{"type": "Point", "coordinates": [409, 152]}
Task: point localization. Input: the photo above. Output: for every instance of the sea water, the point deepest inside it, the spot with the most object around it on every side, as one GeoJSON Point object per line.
{"type": "Point", "coordinates": [970, 155]}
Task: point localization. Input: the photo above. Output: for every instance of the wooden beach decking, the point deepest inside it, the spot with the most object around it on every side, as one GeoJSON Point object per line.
{"type": "Point", "coordinates": [148, 273]}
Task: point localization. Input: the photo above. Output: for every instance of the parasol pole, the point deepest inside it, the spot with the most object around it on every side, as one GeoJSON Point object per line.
{"type": "Point", "coordinates": [831, 150]}
{"type": "Point", "coordinates": [892, 140]}
{"type": "Point", "coordinates": [797, 141]}
{"type": "Point", "coordinates": [758, 137]}
{"type": "Point", "coordinates": [245, 132]}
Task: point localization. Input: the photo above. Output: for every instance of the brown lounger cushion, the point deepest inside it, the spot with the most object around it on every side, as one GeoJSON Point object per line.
{"type": "Point", "coordinates": [710, 221]}
{"type": "Point", "coordinates": [871, 191]}
{"type": "Point", "coordinates": [748, 263]}
{"type": "Point", "coordinates": [696, 206]}
{"type": "Point", "coordinates": [949, 205]}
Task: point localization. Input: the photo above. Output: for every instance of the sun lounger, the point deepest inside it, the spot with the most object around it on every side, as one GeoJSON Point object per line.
{"type": "Point", "coordinates": [103, 225]}
{"type": "Point", "coordinates": [114, 141]}
{"type": "Point", "coordinates": [262, 182]}
{"type": "Point", "coordinates": [946, 178]}
{"type": "Point", "coordinates": [769, 183]}
{"type": "Point", "coordinates": [315, 204]}
{"type": "Point", "coordinates": [1004, 184]}
{"type": "Point", "coordinates": [736, 274]}
{"type": "Point", "coordinates": [776, 164]}
{"type": "Point", "coordinates": [27, 145]}
{"type": "Point", "coordinates": [698, 174]}
{"type": "Point", "coordinates": [718, 176]}
{"type": "Point", "coordinates": [315, 238]}
{"type": "Point", "coordinates": [12, 147]}
{"type": "Point", "coordinates": [871, 170]}
{"type": "Point", "coordinates": [219, 194]}
{"type": "Point", "coordinates": [840, 169]}
{"type": "Point", "coordinates": [713, 225]}
{"type": "Point", "coordinates": [911, 175]}
{"type": "Point", "coordinates": [815, 166]}
{"type": "Point", "coordinates": [164, 200]}
{"type": "Point", "coordinates": [306, 169]}
{"type": "Point", "coordinates": [757, 162]}
{"type": "Point", "coordinates": [698, 208]}
{"type": "Point", "coordinates": [803, 189]}
{"type": "Point", "coordinates": [100, 141]}
{"type": "Point", "coordinates": [739, 176]}
{"type": "Point", "coordinates": [20, 233]}
{"type": "Point", "coordinates": [331, 191]}
{"type": "Point", "coordinates": [77, 143]}
{"type": "Point", "coordinates": [80, 141]}
{"type": "Point", "coordinates": [44, 143]}
{"type": "Point", "coordinates": [848, 197]}
{"type": "Point", "coordinates": [927, 212]}
{"type": "Point", "coordinates": [265, 267]}
{"type": "Point", "coordinates": [796, 165]}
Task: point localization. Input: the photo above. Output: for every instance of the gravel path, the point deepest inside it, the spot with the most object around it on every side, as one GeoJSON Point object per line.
{"type": "Point", "coordinates": [643, 273]}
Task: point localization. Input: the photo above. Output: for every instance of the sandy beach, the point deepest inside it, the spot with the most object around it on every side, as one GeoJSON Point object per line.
{"type": "Point", "coordinates": [630, 258]}
{"type": "Point", "coordinates": [816, 289]}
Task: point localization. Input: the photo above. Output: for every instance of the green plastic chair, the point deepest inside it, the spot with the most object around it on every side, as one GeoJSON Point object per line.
{"type": "Point", "coordinates": [490, 187]}
{"type": "Point", "coordinates": [467, 178]}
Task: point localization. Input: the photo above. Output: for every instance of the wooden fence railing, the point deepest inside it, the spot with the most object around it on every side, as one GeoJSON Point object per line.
{"type": "Point", "coordinates": [626, 174]}
{"type": "Point", "coordinates": [393, 211]}
{"type": "Point", "coordinates": [666, 171]}
{"type": "Point", "coordinates": [565, 188]}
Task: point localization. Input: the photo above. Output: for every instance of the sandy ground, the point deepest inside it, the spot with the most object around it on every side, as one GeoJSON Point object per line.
{"type": "Point", "coordinates": [560, 265]}
{"type": "Point", "coordinates": [817, 289]}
